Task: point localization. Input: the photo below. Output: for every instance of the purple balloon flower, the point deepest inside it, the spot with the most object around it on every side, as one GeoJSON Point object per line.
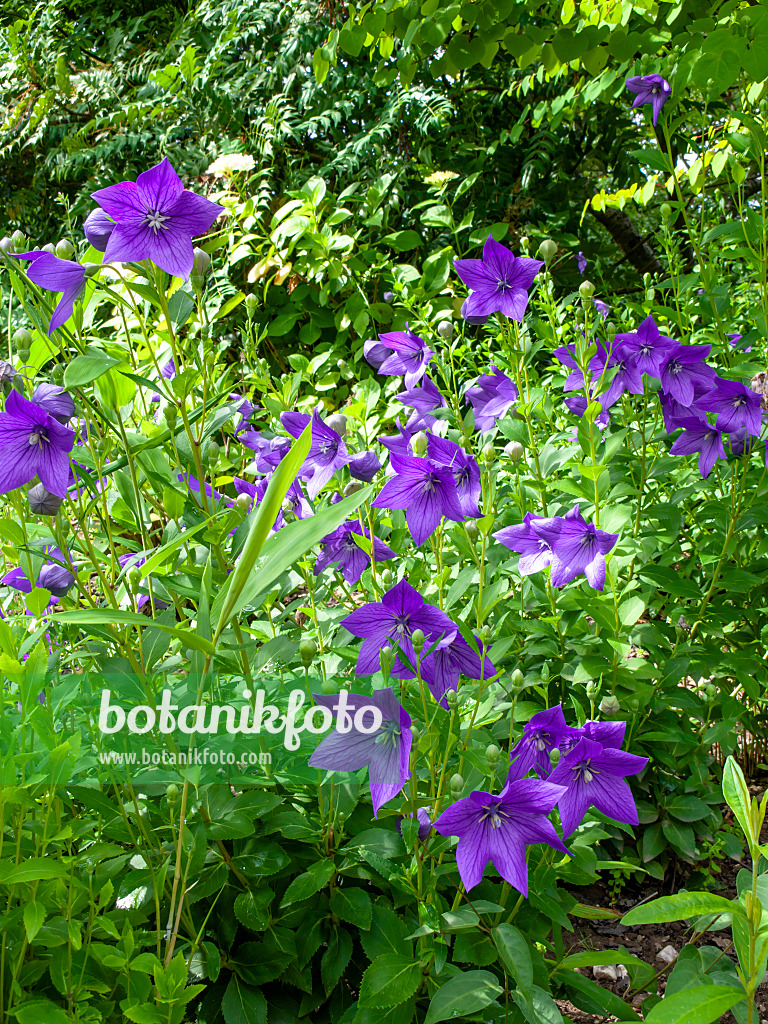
{"type": "Point", "coordinates": [545, 731]}
{"type": "Point", "coordinates": [55, 401]}
{"type": "Point", "coordinates": [56, 275]}
{"type": "Point", "coordinates": [736, 406]}
{"type": "Point", "coordinates": [577, 547]}
{"type": "Point", "coordinates": [408, 354]}
{"type": "Point", "coordinates": [340, 548]}
{"type": "Point", "coordinates": [602, 308]}
{"type": "Point", "coordinates": [628, 377]}
{"type": "Point", "coordinates": [577, 404]}
{"type": "Point", "coordinates": [581, 260]}
{"type": "Point", "coordinates": [566, 354]}
{"type": "Point", "coordinates": [452, 657]}
{"type": "Point", "coordinates": [677, 415]}
{"type": "Point", "coordinates": [497, 828]}
{"type": "Point", "coordinates": [651, 89]}
{"type": "Point", "coordinates": [650, 348]}
{"type": "Point", "coordinates": [492, 396]}
{"type": "Point", "coordinates": [423, 400]}
{"type": "Point", "coordinates": [593, 776]}
{"type": "Point", "coordinates": [156, 218]}
{"type": "Point", "coordinates": [97, 229]}
{"type": "Point", "coordinates": [52, 576]}
{"type": "Point", "coordinates": [535, 552]}
{"type": "Point", "coordinates": [465, 469]}
{"type": "Point", "coordinates": [498, 283]}
{"type": "Point", "coordinates": [33, 443]}
{"type": "Point", "coordinates": [700, 436]}
{"type": "Point", "coordinates": [427, 492]}
{"type": "Point", "coordinates": [391, 622]}
{"type": "Point", "coordinates": [683, 369]}
{"type": "Point", "coordinates": [375, 352]}
{"type": "Point", "coordinates": [385, 751]}
{"type": "Point", "coordinates": [327, 453]}
{"type": "Point", "coordinates": [364, 466]}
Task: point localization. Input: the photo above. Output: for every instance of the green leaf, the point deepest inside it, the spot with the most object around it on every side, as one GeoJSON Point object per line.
{"type": "Point", "coordinates": [597, 957]}
{"type": "Point", "coordinates": [34, 915]}
{"type": "Point", "coordinates": [352, 905]}
{"type": "Point", "coordinates": [304, 885]}
{"type": "Point", "coordinates": [514, 951]}
{"type": "Point", "coordinates": [390, 980]}
{"type": "Point", "coordinates": [242, 1004]}
{"type": "Point", "coordinates": [593, 998]}
{"type": "Point", "coordinates": [737, 797]}
{"type": "Point", "coordinates": [631, 610]}
{"type": "Point", "coordinates": [33, 869]}
{"type": "Point", "coordinates": [680, 907]}
{"type": "Point", "coordinates": [463, 995]}
{"type": "Point", "coordinates": [110, 617]}
{"type": "Point", "coordinates": [87, 367]}
{"type": "Point", "coordinates": [403, 241]}
{"type": "Point", "coordinates": [695, 1005]}
{"type": "Point", "coordinates": [40, 1011]}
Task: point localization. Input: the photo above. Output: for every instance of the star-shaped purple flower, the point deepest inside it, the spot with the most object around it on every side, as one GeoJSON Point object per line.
{"type": "Point", "coordinates": [341, 549]}
{"type": "Point", "coordinates": [327, 453]}
{"type": "Point", "coordinates": [56, 275]}
{"type": "Point", "coordinates": [651, 89]}
{"type": "Point", "coordinates": [702, 437]}
{"type": "Point", "coordinates": [628, 377]}
{"type": "Point", "coordinates": [391, 622]}
{"type": "Point", "coordinates": [33, 443]}
{"type": "Point", "coordinates": [492, 396]}
{"type": "Point", "coordinates": [647, 345]}
{"type": "Point", "coordinates": [423, 400]}
{"type": "Point", "coordinates": [426, 490]}
{"type": "Point", "coordinates": [545, 731]}
{"type": "Point", "coordinates": [577, 547]}
{"type": "Point", "coordinates": [453, 657]}
{"type": "Point", "coordinates": [566, 354]}
{"type": "Point", "coordinates": [498, 283]}
{"type": "Point", "coordinates": [497, 828]}
{"type": "Point", "coordinates": [593, 776]}
{"type": "Point", "coordinates": [409, 355]}
{"type": "Point", "coordinates": [535, 552]}
{"type": "Point", "coordinates": [385, 752]}
{"type": "Point", "coordinates": [736, 406]}
{"type": "Point", "coordinates": [581, 260]}
{"type": "Point", "coordinates": [683, 369]}
{"type": "Point", "coordinates": [55, 401]}
{"type": "Point", "coordinates": [156, 218]}
{"type": "Point", "coordinates": [465, 469]}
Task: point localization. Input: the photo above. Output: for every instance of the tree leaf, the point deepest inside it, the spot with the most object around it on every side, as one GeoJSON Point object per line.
{"type": "Point", "coordinates": [680, 907]}
{"type": "Point", "coordinates": [390, 980]}
{"type": "Point", "coordinates": [463, 995]}
{"type": "Point", "coordinates": [695, 1005]}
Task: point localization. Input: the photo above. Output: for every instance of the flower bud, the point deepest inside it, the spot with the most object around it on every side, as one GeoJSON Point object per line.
{"type": "Point", "coordinates": [586, 289]}
{"type": "Point", "coordinates": [329, 686]}
{"type": "Point", "coordinates": [172, 794]}
{"type": "Point", "coordinates": [338, 422]}
{"type": "Point", "coordinates": [202, 262]}
{"type": "Point", "coordinates": [19, 240]}
{"type": "Point", "coordinates": [134, 576]}
{"type": "Point", "coordinates": [42, 502]}
{"type": "Point", "coordinates": [609, 705]}
{"type": "Point", "coordinates": [243, 501]}
{"type": "Point", "coordinates": [64, 249]}
{"type": "Point", "coordinates": [488, 454]}
{"type": "Point", "coordinates": [517, 680]}
{"type": "Point", "coordinates": [65, 527]}
{"type": "Point", "coordinates": [49, 247]}
{"type": "Point", "coordinates": [647, 280]}
{"type": "Point", "coordinates": [24, 355]}
{"type": "Point", "coordinates": [633, 705]}
{"type": "Point", "coordinates": [456, 784]}
{"type": "Point", "coordinates": [471, 529]}
{"type": "Point", "coordinates": [251, 304]}
{"type": "Point", "coordinates": [485, 634]}
{"type": "Point", "coordinates": [22, 339]}
{"type": "Point", "coordinates": [592, 689]}
{"type": "Point", "coordinates": [386, 577]}
{"type": "Point", "coordinates": [170, 413]}
{"type": "Point", "coordinates": [307, 651]}
{"type": "Point", "coordinates": [666, 212]}
{"type": "Point", "coordinates": [343, 366]}
{"type": "Point", "coordinates": [388, 296]}
{"type": "Point", "coordinates": [419, 443]}
{"type": "Point", "coordinates": [524, 243]}
{"type": "Point", "coordinates": [6, 246]}
{"type": "Point", "coordinates": [578, 316]}
{"type": "Point", "coordinates": [650, 295]}
{"type": "Point", "coordinates": [417, 640]}
{"type": "Point", "coordinates": [57, 375]}
{"type": "Point", "coordinates": [451, 699]}
{"type": "Point", "coordinates": [514, 450]}
{"type": "Point", "coordinates": [386, 657]}
{"type": "Point", "coordinates": [492, 754]}
{"type": "Point", "coordinates": [416, 733]}
{"type": "Point", "coordinates": [547, 249]}
{"type": "Point", "coordinates": [352, 488]}
{"type": "Point", "coordinates": [213, 453]}
{"type": "Point", "coordinates": [554, 756]}
{"type": "Point", "coordinates": [445, 330]}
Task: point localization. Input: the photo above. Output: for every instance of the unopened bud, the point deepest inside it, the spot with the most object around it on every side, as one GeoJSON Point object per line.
{"type": "Point", "coordinates": [49, 247]}
{"type": "Point", "coordinates": [586, 289]}
{"type": "Point", "coordinates": [22, 338]}
{"type": "Point", "coordinates": [416, 733]}
{"type": "Point", "coordinates": [445, 330]}
{"type": "Point", "coordinates": [545, 672]}
{"type": "Point", "coordinates": [57, 375]}
{"type": "Point", "coordinates": [64, 249]}
{"type": "Point", "coordinates": [386, 657]}
{"type": "Point", "coordinates": [251, 304]}
{"type": "Point", "coordinates": [213, 453]}
{"type": "Point", "coordinates": [42, 502]}
{"type": "Point", "coordinates": [592, 689]}
{"type": "Point", "coordinates": [417, 640]}
{"type": "Point", "coordinates": [388, 296]}
{"type": "Point", "coordinates": [650, 295]}
{"type": "Point", "coordinates": [451, 699]}
{"type": "Point", "coordinates": [170, 413]}
{"type": "Point", "coordinates": [554, 756]}
{"type": "Point", "coordinates": [419, 443]}
{"type": "Point", "coordinates": [488, 454]}
{"type": "Point", "coordinates": [6, 246]}
{"type": "Point", "coordinates": [243, 501]}
{"type": "Point", "coordinates": [471, 529]}
{"type": "Point", "coordinates": [307, 651]}
{"type": "Point", "coordinates": [516, 680]}
{"type": "Point", "coordinates": [329, 686]}
{"type": "Point", "coordinates": [547, 249]}
{"type": "Point", "coordinates": [338, 422]}
{"type": "Point", "coordinates": [514, 451]}
{"type": "Point", "coordinates": [172, 794]}
{"type": "Point", "coordinates": [609, 705]}
{"type": "Point", "coordinates": [456, 784]}
{"type": "Point", "coordinates": [485, 634]}
{"type": "Point", "coordinates": [666, 212]}
{"type": "Point", "coordinates": [134, 576]}
{"type": "Point", "coordinates": [19, 240]}
{"type": "Point", "coordinates": [202, 262]}
{"type": "Point", "coordinates": [492, 754]}
{"type": "Point", "coordinates": [352, 488]}
{"type": "Point", "coordinates": [633, 705]}
{"type": "Point", "coordinates": [647, 279]}
{"type": "Point", "coordinates": [525, 243]}
{"type": "Point", "coordinates": [386, 577]}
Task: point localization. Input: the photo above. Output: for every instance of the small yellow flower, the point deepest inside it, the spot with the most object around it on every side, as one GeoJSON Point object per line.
{"type": "Point", "coordinates": [440, 177]}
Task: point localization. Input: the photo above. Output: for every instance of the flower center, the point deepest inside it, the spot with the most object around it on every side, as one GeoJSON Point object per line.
{"type": "Point", "coordinates": [39, 435]}
{"type": "Point", "coordinates": [401, 626]}
{"type": "Point", "coordinates": [584, 770]}
{"type": "Point", "coordinates": [155, 220]}
{"type": "Point", "coordinates": [503, 285]}
{"type": "Point", "coordinates": [429, 481]}
{"type": "Point", "coordinates": [389, 733]}
{"type": "Point", "coordinates": [495, 814]}
{"type": "Point", "coordinates": [328, 446]}
{"type": "Point", "coordinates": [587, 540]}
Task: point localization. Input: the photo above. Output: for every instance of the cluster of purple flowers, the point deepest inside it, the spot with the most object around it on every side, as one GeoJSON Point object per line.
{"type": "Point", "coordinates": [690, 389]}
{"type": "Point", "coordinates": [492, 828]}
